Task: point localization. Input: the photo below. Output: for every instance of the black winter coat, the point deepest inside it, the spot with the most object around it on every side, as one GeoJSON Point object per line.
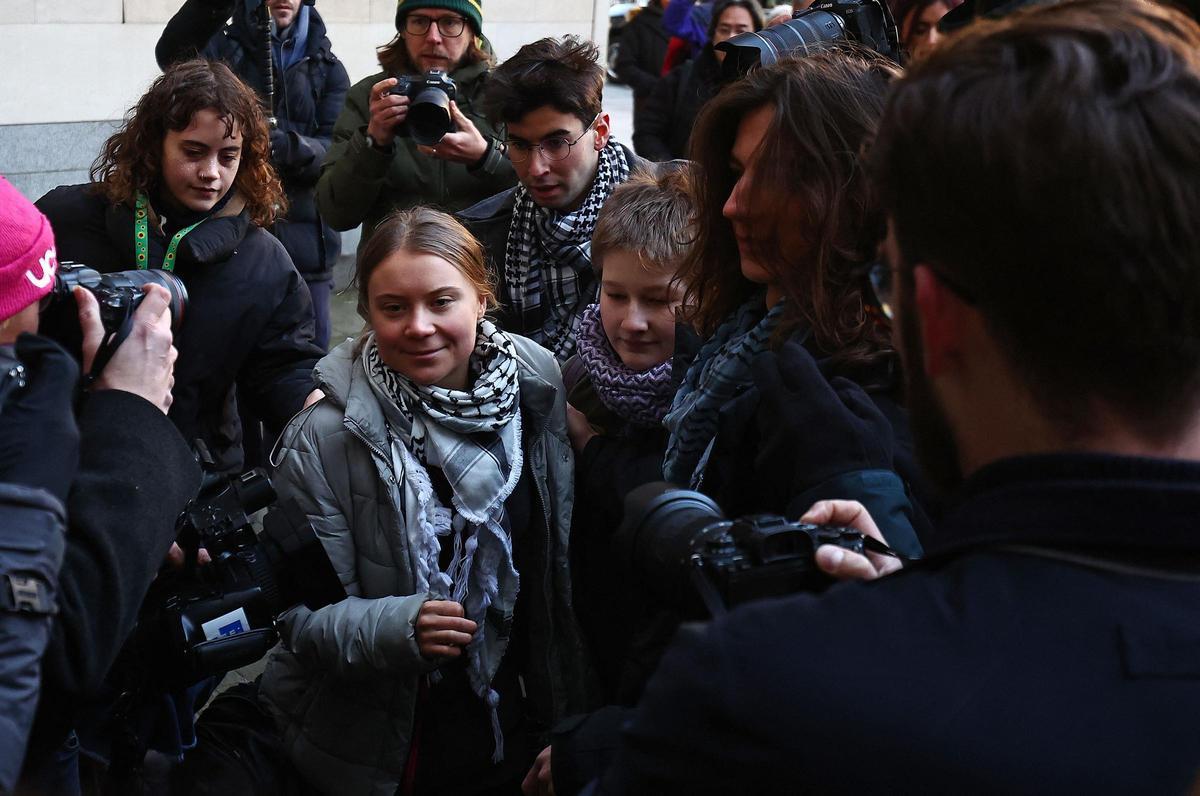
{"type": "Point", "coordinates": [249, 319]}
{"type": "Point", "coordinates": [663, 125]}
{"type": "Point", "coordinates": [1047, 646]}
{"type": "Point", "coordinates": [308, 98]}
{"type": "Point", "coordinates": [762, 462]}
{"type": "Point", "coordinates": [643, 48]}
{"type": "Point", "coordinates": [135, 475]}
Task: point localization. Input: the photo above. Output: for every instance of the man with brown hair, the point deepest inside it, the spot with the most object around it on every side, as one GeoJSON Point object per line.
{"type": "Point", "coordinates": [373, 167]}
{"type": "Point", "coordinates": [538, 235]}
{"type": "Point", "coordinates": [1040, 174]}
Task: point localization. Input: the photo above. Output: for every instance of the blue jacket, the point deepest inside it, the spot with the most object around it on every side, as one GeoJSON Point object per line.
{"type": "Point", "coordinates": [1050, 644]}
{"type": "Point", "coordinates": [308, 98]}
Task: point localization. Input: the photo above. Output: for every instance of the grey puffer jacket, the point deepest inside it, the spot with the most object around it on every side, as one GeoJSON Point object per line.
{"type": "Point", "coordinates": [343, 683]}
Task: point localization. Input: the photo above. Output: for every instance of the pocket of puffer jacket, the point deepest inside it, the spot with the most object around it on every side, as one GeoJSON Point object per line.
{"type": "Point", "coordinates": [364, 721]}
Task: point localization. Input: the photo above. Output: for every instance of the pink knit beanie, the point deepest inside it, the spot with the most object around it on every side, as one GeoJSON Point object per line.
{"type": "Point", "coordinates": [27, 259]}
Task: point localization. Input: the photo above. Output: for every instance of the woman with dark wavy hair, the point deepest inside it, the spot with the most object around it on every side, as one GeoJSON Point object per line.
{"type": "Point", "coordinates": [186, 185]}
{"type": "Point", "coordinates": [793, 396]}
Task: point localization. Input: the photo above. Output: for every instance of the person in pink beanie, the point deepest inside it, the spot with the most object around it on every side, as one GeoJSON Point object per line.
{"type": "Point", "coordinates": [87, 503]}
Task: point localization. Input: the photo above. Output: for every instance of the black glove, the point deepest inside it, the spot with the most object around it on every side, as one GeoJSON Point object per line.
{"type": "Point", "coordinates": [39, 440]}
{"type": "Point", "coordinates": [812, 429]}
{"type": "Point", "coordinates": [279, 145]}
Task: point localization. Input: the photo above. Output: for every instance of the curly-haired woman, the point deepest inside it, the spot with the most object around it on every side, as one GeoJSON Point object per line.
{"type": "Point", "coordinates": [186, 185]}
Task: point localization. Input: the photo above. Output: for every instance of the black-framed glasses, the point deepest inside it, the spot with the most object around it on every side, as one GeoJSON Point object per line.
{"type": "Point", "coordinates": [451, 27]}
{"type": "Point", "coordinates": [551, 148]}
{"type": "Point", "coordinates": [883, 282]}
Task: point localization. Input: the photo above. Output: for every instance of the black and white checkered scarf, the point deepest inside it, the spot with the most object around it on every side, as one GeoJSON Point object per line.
{"type": "Point", "coordinates": [474, 437]}
{"type": "Point", "coordinates": [548, 260]}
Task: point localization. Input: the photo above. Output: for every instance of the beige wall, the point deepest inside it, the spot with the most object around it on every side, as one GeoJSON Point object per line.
{"type": "Point", "coordinates": [86, 60]}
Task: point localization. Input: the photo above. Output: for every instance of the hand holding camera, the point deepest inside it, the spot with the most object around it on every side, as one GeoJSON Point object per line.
{"type": "Point", "coordinates": [466, 145]}
{"type": "Point", "coordinates": [144, 363]}
{"type": "Point", "coordinates": [840, 562]}
{"type": "Point", "coordinates": [389, 110]}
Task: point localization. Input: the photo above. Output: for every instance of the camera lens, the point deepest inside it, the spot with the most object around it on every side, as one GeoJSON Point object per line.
{"type": "Point", "coordinates": [662, 526]}
{"type": "Point", "coordinates": [429, 116]}
{"type": "Point", "coordinates": [808, 29]}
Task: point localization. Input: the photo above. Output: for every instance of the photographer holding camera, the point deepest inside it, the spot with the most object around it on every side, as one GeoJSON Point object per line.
{"type": "Point", "coordinates": [1039, 177]}
{"type": "Point", "coordinates": [123, 474]}
{"type": "Point", "coordinates": [386, 155]}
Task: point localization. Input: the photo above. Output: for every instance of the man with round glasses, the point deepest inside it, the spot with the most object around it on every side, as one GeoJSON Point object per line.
{"type": "Point", "coordinates": [373, 167]}
{"type": "Point", "coordinates": [538, 235]}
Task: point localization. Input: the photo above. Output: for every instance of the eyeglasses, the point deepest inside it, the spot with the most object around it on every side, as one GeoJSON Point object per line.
{"type": "Point", "coordinates": [451, 27]}
{"type": "Point", "coordinates": [552, 148]}
{"type": "Point", "coordinates": [883, 283]}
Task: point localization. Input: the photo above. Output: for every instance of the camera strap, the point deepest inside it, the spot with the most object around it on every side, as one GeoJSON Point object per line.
{"type": "Point", "coordinates": [141, 236]}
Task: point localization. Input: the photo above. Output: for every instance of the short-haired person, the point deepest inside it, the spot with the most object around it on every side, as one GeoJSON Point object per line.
{"type": "Point", "coordinates": [310, 85]}
{"type": "Point", "coordinates": [663, 126]}
{"type": "Point", "coordinates": [186, 185]}
{"type": "Point", "coordinates": [438, 474]}
{"type": "Point", "coordinates": [537, 236]}
{"type": "Point", "coordinates": [1039, 174]}
{"type": "Point", "coordinates": [620, 383]}
{"type": "Point", "coordinates": [780, 406]}
{"type": "Point", "coordinates": [114, 479]}
{"type": "Point", "coordinates": [371, 169]}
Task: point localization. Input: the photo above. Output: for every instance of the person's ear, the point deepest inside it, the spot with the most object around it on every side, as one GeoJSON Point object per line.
{"type": "Point", "coordinates": [943, 321]}
{"type": "Point", "coordinates": [482, 309]}
{"type": "Point", "coordinates": [603, 130]}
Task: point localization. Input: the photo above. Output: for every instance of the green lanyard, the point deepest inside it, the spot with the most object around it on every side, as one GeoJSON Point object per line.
{"type": "Point", "coordinates": [141, 234]}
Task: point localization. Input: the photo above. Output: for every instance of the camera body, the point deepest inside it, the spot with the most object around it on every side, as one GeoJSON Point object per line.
{"type": "Point", "coordinates": [119, 294]}
{"type": "Point", "coordinates": [868, 22]}
{"type": "Point", "coordinates": [429, 97]}
{"type": "Point", "coordinates": [680, 543]}
{"type": "Point", "coordinates": [205, 620]}
{"type": "Point", "coordinates": [765, 555]}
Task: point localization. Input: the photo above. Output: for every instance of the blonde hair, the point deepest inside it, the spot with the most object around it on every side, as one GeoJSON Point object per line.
{"type": "Point", "coordinates": [427, 231]}
{"type": "Point", "coordinates": [651, 216]}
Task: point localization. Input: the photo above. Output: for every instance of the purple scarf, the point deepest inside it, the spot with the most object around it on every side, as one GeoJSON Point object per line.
{"type": "Point", "coordinates": [638, 397]}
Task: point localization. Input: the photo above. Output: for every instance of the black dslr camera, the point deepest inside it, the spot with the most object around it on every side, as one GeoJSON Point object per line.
{"type": "Point", "coordinates": [208, 619]}
{"type": "Point", "coordinates": [429, 105]}
{"type": "Point", "coordinates": [119, 294]}
{"type": "Point", "coordinates": [868, 22]}
{"type": "Point", "coordinates": [671, 536]}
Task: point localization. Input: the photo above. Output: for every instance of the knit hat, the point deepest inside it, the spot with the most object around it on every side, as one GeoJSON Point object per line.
{"type": "Point", "coordinates": [27, 259]}
{"type": "Point", "coordinates": [472, 10]}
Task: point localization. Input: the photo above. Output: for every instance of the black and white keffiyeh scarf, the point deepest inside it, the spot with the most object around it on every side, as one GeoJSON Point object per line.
{"type": "Point", "coordinates": [474, 437]}
{"type": "Point", "coordinates": [720, 372]}
{"type": "Point", "coordinates": [548, 258]}
{"type": "Point", "coordinates": [638, 397]}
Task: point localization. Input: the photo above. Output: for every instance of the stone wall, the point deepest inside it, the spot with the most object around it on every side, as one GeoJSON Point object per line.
{"type": "Point", "coordinates": [73, 67]}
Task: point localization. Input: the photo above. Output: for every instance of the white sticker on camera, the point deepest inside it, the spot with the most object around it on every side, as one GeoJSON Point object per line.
{"type": "Point", "coordinates": [229, 624]}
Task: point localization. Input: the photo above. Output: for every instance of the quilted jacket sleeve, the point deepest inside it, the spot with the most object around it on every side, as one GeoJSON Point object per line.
{"type": "Point", "coordinates": [359, 635]}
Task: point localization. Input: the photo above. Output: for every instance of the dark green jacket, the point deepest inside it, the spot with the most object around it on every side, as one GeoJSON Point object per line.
{"type": "Point", "coordinates": [361, 185]}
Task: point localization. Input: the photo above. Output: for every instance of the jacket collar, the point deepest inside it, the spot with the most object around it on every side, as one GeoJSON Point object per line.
{"type": "Point", "coordinates": [213, 241]}
{"type": "Point", "coordinates": [1077, 501]}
